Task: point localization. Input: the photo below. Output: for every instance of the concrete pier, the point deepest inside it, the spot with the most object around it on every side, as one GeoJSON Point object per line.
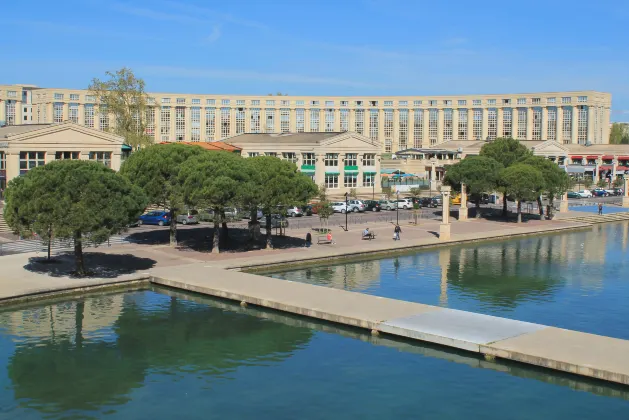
{"type": "Point", "coordinates": [569, 351]}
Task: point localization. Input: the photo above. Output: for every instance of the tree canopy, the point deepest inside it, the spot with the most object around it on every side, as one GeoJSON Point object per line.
{"type": "Point", "coordinates": [506, 151]}
{"type": "Point", "coordinates": [523, 182]}
{"type": "Point", "coordinates": [73, 199]}
{"type": "Point", "coordinates": [619, 133]}
{"type": "Point", "coordinates": [556, 180]}
{"type": "Point", "coordinates": [123, 96]}
{"type": "Point", "coordinates": [156, 170]}
{"type": "Point", "coordinates": [480, 174]}
{"type": "Point", "coordinates": [211, 180]}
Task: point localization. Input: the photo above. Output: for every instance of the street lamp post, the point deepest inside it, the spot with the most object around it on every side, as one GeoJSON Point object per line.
{"type": "Point", "coordinates": [373, 187]}
{"type": "Point", "coordinates": [397, 207]}
{"type": "Point", "coordinates": [346, 210]}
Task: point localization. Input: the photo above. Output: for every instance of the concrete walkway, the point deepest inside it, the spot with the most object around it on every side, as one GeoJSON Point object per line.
{"type": "Point", "coordinates": [570, 351]}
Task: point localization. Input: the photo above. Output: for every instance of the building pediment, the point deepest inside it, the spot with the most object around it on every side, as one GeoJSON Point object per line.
{"type": "Point", "coordinates": [351, 141]}
{"type": "Point", "coordinates": [550, 148]}
{"type": "Point", "coordinates": [65, 133]}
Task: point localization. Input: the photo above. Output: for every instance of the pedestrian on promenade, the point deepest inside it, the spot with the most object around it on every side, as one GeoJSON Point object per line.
{"type": "Point", "coordinates": [600, 209]}
{"type": "Point", "coordinates": [308, 240]}
{"type": "Point", "coordinates": [329, 237]}
{"type": "Point", "coordinates": [396, 232]}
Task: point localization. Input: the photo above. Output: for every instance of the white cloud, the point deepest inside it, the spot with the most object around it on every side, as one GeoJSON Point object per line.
{"type": "Point", "coordinates": [215, 35]}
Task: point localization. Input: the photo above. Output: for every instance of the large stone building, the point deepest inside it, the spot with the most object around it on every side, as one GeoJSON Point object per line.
{"type": "Point", "coordinates": [397, 123]}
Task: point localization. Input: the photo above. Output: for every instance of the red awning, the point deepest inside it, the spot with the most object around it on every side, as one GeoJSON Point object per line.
{"type": "Point", "coordinates": [608, 156]}
{"type": "Point", "coordinates": [622, 168]}
{"type": "Point", "coordinates": [576, 157]}
{"type": "Point", "coordinates": [592, 157]}
{"type": "Point", "coordinates": [623, 157]}
{"type": "Point", "coordinates": [605, 168]}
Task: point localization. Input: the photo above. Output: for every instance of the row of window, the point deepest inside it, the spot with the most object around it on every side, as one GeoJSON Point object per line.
{"type": "Point", "coordinates": [314, 102]}
{"type": "Point", "coordinates": [331, 181]}
{"type": "Point", "coordinates": [330, 159]}
{"type": "Point", "coordinates": [30, 160]}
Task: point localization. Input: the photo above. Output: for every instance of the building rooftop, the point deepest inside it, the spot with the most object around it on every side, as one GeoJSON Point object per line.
{"type": "Point", "coordinates": [11, 130]}
{"type": "Point", "coordinates": [308, 138]}
{"type": "Point", "coordinates": [215, 145]}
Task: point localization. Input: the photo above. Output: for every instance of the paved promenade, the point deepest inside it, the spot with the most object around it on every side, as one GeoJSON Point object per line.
{"type": "Point", "coordinates": [220, 276]}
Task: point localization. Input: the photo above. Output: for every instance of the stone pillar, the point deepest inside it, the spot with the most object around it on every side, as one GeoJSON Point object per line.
{"type": "Point", "coordinates": [463, 209]}
{"type": "Point", "coordinates": [455, 124]}
{"type": "Point", "coordinates": [625, 194]}
{"type": "Point", "coordinates": [425, 122]}
{"type": "Point", "coordinates": [575, 125]}
{"type": "Point", "coordinates": [544, 133]}
{"type": "Point", "coordinates": [591, 136]}
{"type": "Point", "coordinates": [499, 122]}
{"type": "Point", "coordinates": [470, 124]}
{"type": "Point", "coordinates": [485, 120]}
{"type": "Point", "coordinates": [514, 122]}
{"type": "Point", "coordinates": [563, 205]}
{"type": "Point", "coordinates": [529, 123]}
{"type": "Point", "coordinates": [440, 115]}
{"type": "Point", "coordinates": [596, 174]}
{"type": "Point", "coordinates": [559, 134]}
{"type": "Point", "coordinates": [433, 174]}
{"type": "Point", "coordinates": [411, 128]}
{"type": "Point", "coordinates": [444, 228]}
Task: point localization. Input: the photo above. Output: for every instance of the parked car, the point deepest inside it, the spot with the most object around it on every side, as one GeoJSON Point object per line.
{"type": "Point", "coordinates": [189, 218]}
{"type": "Point", "coordinates": [618, 191]}
{"type": "Point", "coordinates": [428, 202]}
{"type": "Point", "coordinates": [573, 194]}
{"type": "Point", "coordinates": [307, 210]}
{"type": "Point", "coordinates": [438, 199]}
{"type": "Point", "coordinates": [404, 203]}
{"type": "Point", "coordinates": [339, 207]}
{"type": "Point", "coordinates": [156, 217]}
{"type": "Point", "coordinates": [372, 205]}
{"type": "Point", "coordinates": [585, 193]}
{"type": "Point", "coordinates": [356, 206]}
{"type": "Point", "coordinates": [247, 215]}
{"type": "Point", "coordinates": [387, 204]}
{"type": "Point", "coordinates": [233, 213]}
{"type": "Point", "coordinates": [599, 192]}
{"type": "Point", "coordinates": [294, 211]}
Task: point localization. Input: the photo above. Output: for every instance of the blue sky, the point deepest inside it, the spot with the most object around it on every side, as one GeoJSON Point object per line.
{"type": "Point", "coordinates": [324, 47]}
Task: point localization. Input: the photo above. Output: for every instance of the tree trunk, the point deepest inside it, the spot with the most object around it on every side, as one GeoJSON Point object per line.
{"type": "Point", "coordinates": [224, 229]}
{"type": "Point", "coordinates": [49, 243]}
{"type": "Point", "coordinates": [269, 232]}
{"type": "Point", "coordinates": [173, 228]}
{"type": "Point", "coordinates": [540, 206]}
{"type": "Point", "coordinates": [254, 226]}
{"type": "Point", "coordinates": [505, 213]}
{"type": "Point", "coordinates": [216, 237]}
{"type": "Point", "coordinates": [78, 254]}
{"type": "Point", "coordinates": [519, 211]}
{"type": "Point", "coordinates": [477, 215]}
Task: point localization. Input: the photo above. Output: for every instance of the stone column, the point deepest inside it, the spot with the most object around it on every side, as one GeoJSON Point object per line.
{"type": "Point", "coordinates": [499, 122]}
{"type": "Point", "coordinates": [395, 135]}
{"type": "Point", "coordinates": [485, 120]}
{"type": "Point", "coordinates": [463, 209]}
{"type": "Point", "coordinates": [411, 128]}
{"type": "Point", "coordinates": [575, 125]}
{"type": "Point", "coordinates": [591, 136]}
{"type": "Point", "coordinates": [440, 115]}
{"type": "Point", "coordinates": [563, 205]}
{"type": "Point", "coordinates": [529, 123]}
{"type": "Point", "coordinates": [514, 122]}
{"type": "Point", "coordinates": [337, 120]}
{"type": "Point", "coordinates": [544, 123]}
{"type": "Point", "coordinates": [444, 228]}
{"type": "Point", "coordinates": [625, 194]}
{"type": "Point", "coordinates": [455, 124]}
{"type": "Point", "coordinates": [425, 140]}
{"type": "Point", "coordinates": [559, 134]}
{"type": "Point", "coordinates": [433, 174]}
{"type": "Point", "coordinates": [470, 124]}
{"type": "Point", "coordinates": [596, 174]}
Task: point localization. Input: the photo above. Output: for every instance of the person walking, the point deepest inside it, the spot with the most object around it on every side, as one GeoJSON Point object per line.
{"type": "Point", "coordinates": [396, 232]}
{"type": "Point", "coordinates": [308, 240]}
{"type": "Point", "coordinates": [600, 209]}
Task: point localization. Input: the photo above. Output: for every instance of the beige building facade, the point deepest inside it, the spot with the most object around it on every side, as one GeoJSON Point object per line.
{"type": "Point", "coordinates": [397, 122]}
{"type": "Point", "coordinates": [338, 161]}
{"type": "Point", "coordinates": [25, 147]}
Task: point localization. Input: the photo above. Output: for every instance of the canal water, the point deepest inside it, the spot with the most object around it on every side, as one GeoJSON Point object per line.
{"type": "Point", "coordinates": [158, 354]}
{"type": "Point", "coordinates": [577, 280]}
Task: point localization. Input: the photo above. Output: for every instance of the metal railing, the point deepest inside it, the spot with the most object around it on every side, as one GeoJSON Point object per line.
{"type": "Point", "coordinates": [57, 246]}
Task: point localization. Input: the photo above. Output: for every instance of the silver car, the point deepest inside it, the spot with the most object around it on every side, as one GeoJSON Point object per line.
{"type": "Point", "coordinates": [187, 219]}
